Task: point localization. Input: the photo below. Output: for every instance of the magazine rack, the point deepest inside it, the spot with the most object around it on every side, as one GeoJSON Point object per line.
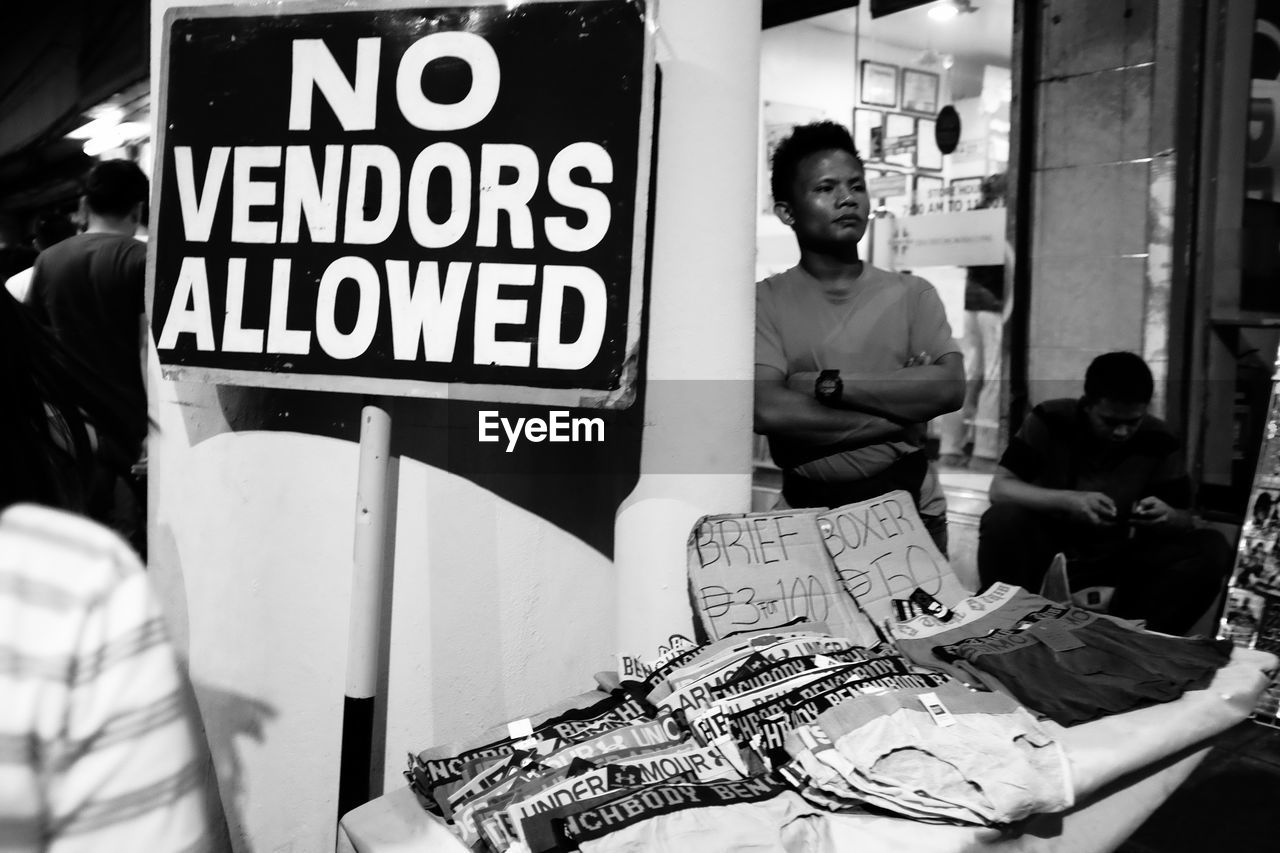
{"type": "Point", "coordinates": [1251, 618]}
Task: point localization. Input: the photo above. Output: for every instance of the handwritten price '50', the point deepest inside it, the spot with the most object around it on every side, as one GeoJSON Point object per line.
{"type": "Point", "coordinates": [804, 597]}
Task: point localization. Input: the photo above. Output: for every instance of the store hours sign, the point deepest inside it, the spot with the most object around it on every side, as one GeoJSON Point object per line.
{"type": "Point", "coordinates": [430, 200]}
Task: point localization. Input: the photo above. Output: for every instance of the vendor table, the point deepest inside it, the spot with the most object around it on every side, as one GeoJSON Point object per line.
{"type": "Point", "coordinates": [1123, 768]}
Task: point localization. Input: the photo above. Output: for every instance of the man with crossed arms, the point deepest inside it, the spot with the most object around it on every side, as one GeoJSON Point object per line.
{"type": "Point", "coordinates": [851, 360]}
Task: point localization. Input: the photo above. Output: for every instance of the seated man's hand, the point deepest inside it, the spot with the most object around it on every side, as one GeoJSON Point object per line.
{"type": "Point", "coordinates": [1093, 508]}
{"type": "Point", "coordinates": [1151, 511]}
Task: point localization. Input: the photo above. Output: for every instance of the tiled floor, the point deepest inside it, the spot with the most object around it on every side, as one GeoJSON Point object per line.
{"type": "Point", "coordinates": [1230, 803]}
{"type": "Point", "coordinates": [964, 478]}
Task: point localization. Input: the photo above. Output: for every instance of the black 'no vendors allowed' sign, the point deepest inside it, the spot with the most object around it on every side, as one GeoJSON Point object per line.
{"type": "Point", "coordinates": [439, 201]}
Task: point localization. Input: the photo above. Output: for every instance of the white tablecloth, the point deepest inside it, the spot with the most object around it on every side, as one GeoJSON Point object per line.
{"type": "Point", "coordinates": [1123, 767]}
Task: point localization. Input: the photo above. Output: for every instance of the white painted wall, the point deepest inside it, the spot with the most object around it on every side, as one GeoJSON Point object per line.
{"type": "Point", "coordinates": [813, 66]}
{"type": "Point", "coordinates": [697, 443]}
{"type": "Point", "coordinates": [495, 611]}
{"type": "Point", "coordinates": [250, 543]}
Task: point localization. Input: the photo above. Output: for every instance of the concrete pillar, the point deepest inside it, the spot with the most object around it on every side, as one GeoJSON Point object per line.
{"type": "Point", "coordinates": [1097, 69]}
{"type": "Point", "coordinates": [697, 439]}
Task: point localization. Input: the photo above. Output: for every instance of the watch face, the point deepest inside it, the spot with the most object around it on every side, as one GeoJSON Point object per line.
{"type": "Point", "coordinates": [828, 386]}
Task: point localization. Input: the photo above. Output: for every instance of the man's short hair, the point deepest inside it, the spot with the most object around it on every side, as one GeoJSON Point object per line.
{"type": "Point", "coordinates": [804, 140]}
{"type": "Point", "coordinates": [115, 187]}
{"type": "Point", "coordinates": [1119, 376]}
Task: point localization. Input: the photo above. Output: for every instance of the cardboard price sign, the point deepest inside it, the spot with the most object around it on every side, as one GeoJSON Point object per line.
{"type": "Point", "coordinates": [435, 200]}
{"type": "Point", "coordinates": [766, 570]}
{"type": "Point", "coordinates": [881, 551]}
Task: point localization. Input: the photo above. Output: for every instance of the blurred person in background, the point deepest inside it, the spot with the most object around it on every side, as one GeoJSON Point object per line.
{"type": "Point", "coordinates": [89, 290]}
{"type": "Point", "coordinates": [15, 256]}
{"type": "Point", "coordinates": [101, 746]}
{"type": "Point", "coordinates": [970, 437]}
{"type": "Point", "coordinates": [56, 417]}
{"type": "Point", "coordinates": [51, 229]}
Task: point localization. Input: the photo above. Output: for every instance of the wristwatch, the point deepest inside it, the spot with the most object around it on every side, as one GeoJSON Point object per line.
{"type": "Point", "coordinates": [827, 388]}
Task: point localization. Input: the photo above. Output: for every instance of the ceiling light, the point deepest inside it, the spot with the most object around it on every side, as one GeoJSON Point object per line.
{"type": "Point", "coordinates": [948, 9]}
{"type": "Point", "coordinates": [116, 136]}
{"type": "Point", "coordinates": [105, 119]}
{"type": "Point", "coordinates": [943, 11]}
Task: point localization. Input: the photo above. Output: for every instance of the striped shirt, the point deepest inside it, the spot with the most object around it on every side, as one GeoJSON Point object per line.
{"type": "Point", "coordinates": [99, 739]}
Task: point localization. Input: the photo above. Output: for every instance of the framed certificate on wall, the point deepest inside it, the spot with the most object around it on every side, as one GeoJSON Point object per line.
{"type": "Point", "coordinates": [928, 155]}
{"type": "Point", "coordinates": [900, 141]}
{"type": "Point", "coordinates": [865, 122]}
{"type": "Point", "coordinates": [919, 91]}
{"type": "Point", "coordinates": [878, 85]}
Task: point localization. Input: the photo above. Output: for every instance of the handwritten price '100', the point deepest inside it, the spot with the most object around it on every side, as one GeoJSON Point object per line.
{"type": "Point", "coordinates": [806, 598]}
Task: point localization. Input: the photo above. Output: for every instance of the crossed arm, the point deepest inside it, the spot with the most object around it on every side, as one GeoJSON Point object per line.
{"type": "Point", "coordinates": [872, 408]}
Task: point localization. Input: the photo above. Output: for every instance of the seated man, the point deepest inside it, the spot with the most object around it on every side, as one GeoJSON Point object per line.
{"type": "Point", "coordinates": [1104, 482]}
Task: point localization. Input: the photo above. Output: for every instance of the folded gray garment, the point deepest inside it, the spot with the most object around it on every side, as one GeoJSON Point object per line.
{"type": "Point", "coordinates": [985, 756]}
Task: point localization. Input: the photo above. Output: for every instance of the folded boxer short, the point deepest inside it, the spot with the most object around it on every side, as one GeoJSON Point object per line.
{"type": "Point", "coordinates": [832, 780]}
{"type": "Point", "coordinates": [982, 754]}
{"type": "Point", "coordinates": [746, 816]}
{"type": "Point", "coordinates": [1000, 606]}
{"type": "Point", "coordinates": [1074, 665]}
